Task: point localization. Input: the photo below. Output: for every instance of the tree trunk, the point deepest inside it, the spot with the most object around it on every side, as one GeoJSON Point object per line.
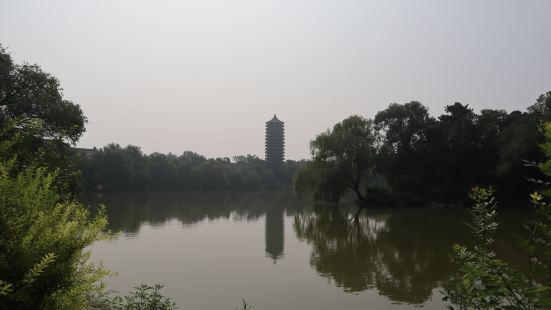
{"type": "Point", "coordinates": [361, 200]}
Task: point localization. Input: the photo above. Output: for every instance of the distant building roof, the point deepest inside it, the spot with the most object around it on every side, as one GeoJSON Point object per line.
{"type": "Point", "coordinates": [275, 120]}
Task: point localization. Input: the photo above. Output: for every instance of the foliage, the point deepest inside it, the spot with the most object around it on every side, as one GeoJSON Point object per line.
{"type": "Point", "coordinates": [408, 132]}
{"type": "Point", "coordinates": [147, 298]}
{"type": "Point", "coordinates": [320, 180]}
{"type": "Point", "coordinates": [542, 108]}
{"type": "Point", "coordinates": [343, 157]}
{"type": "Point", "coordinates": [43, 237]}
{"type": "Point", "coordinates": [44, 234]}
{"type": "Point", "coordinates": [425, 159]}
{"type": "Point", "coordinates": [486, 148]}
{"type": "Point", "coordinates": [144, 297]}
{"type": "Point", "coordinates": [486, 282]}
{"type": "Point", "coordinates": [32, 107]}
{"type": "Point", "coordinates": [29, 92]}
{"type": "Point", "coordinates": [113, 168]}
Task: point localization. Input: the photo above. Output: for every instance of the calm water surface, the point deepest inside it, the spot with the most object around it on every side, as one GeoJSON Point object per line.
{"type": "Point", "coordinates": [212, 249]}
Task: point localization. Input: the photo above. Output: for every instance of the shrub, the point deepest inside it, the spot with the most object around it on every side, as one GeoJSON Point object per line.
{"type": "Point", "coordinates": [485, 282]}
{"type": "Point", "coordinates": [44, 263]}
{"type": "Point", "coordinates": [144, 297]}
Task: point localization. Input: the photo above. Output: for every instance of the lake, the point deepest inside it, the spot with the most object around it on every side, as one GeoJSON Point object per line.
{"type": "Point", "coordinates": [212, 249]}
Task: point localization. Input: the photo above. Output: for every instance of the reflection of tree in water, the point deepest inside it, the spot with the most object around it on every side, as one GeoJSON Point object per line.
{"type": "Point", "coordinates": [275, 232]}
{"type": "Point", "coordinates": [128, 211]}
{"type": "Point", "coordinates": [405, 255]}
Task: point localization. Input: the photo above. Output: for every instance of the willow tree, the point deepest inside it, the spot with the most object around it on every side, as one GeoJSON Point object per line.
{"type": "Point", "coordinates": [347, 155]}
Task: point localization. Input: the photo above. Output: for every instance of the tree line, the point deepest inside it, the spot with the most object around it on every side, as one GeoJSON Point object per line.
{"type": "Point", "coordinates": [116, 168]}
{"type": "Point", "coordinates": [48, 126]}
{"type": "Point", "coordinates": [405, 155]}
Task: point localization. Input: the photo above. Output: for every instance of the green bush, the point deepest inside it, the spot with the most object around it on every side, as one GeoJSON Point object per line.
{"type": "Point", "coordinates": [144, 297]}
{"type": "Point", "coordinates": [484, 281]}
{"type": "Point", "coordinates": [44, 263]}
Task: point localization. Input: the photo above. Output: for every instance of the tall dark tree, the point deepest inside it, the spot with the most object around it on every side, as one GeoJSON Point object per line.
{"type": "Point", "coordinates": [491, 125]}
{"type": "Point", "coordinates": [32, 106]}
{"type": "Point", "coordinates": [460, 151]}
{"type": "Point", "coordinates": [405, 157]}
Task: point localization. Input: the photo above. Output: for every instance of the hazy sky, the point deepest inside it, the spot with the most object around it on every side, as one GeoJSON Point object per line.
{"type": "Point", "coordinates": [205, 75]}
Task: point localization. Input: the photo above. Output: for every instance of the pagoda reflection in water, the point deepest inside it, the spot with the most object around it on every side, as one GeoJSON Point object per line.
{"type": "Point", "coordinates": [275, 232]}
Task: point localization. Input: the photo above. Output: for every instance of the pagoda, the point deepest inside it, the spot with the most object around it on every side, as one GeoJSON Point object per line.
{"type": "Point", "coordinates": [275, 141]}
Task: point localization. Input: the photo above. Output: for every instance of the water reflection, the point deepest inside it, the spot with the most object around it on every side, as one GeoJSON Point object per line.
{"type": "Point", "coordinates": [403, 254]}
{"type": "Point", "coordinates": [128, 211]}
{"type": "Point", "coordinates": [275, 232]}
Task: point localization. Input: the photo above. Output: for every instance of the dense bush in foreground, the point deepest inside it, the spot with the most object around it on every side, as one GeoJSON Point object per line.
{"type": "Point", "coordinates": [43, 237]}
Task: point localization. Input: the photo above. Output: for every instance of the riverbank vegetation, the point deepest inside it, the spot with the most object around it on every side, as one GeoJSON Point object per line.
{"type": "Point", "coordinates": [116, 168]}
{"type": "Point", "coordinates": [485, 281]}
{"type": "Point", "coordinates": [43, 237]}
{"type": "Point", "coordinates": [405, 155]}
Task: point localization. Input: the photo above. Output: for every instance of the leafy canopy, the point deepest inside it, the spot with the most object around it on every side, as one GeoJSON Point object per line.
{"type": "Point", "coordinates": [343, 158]}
